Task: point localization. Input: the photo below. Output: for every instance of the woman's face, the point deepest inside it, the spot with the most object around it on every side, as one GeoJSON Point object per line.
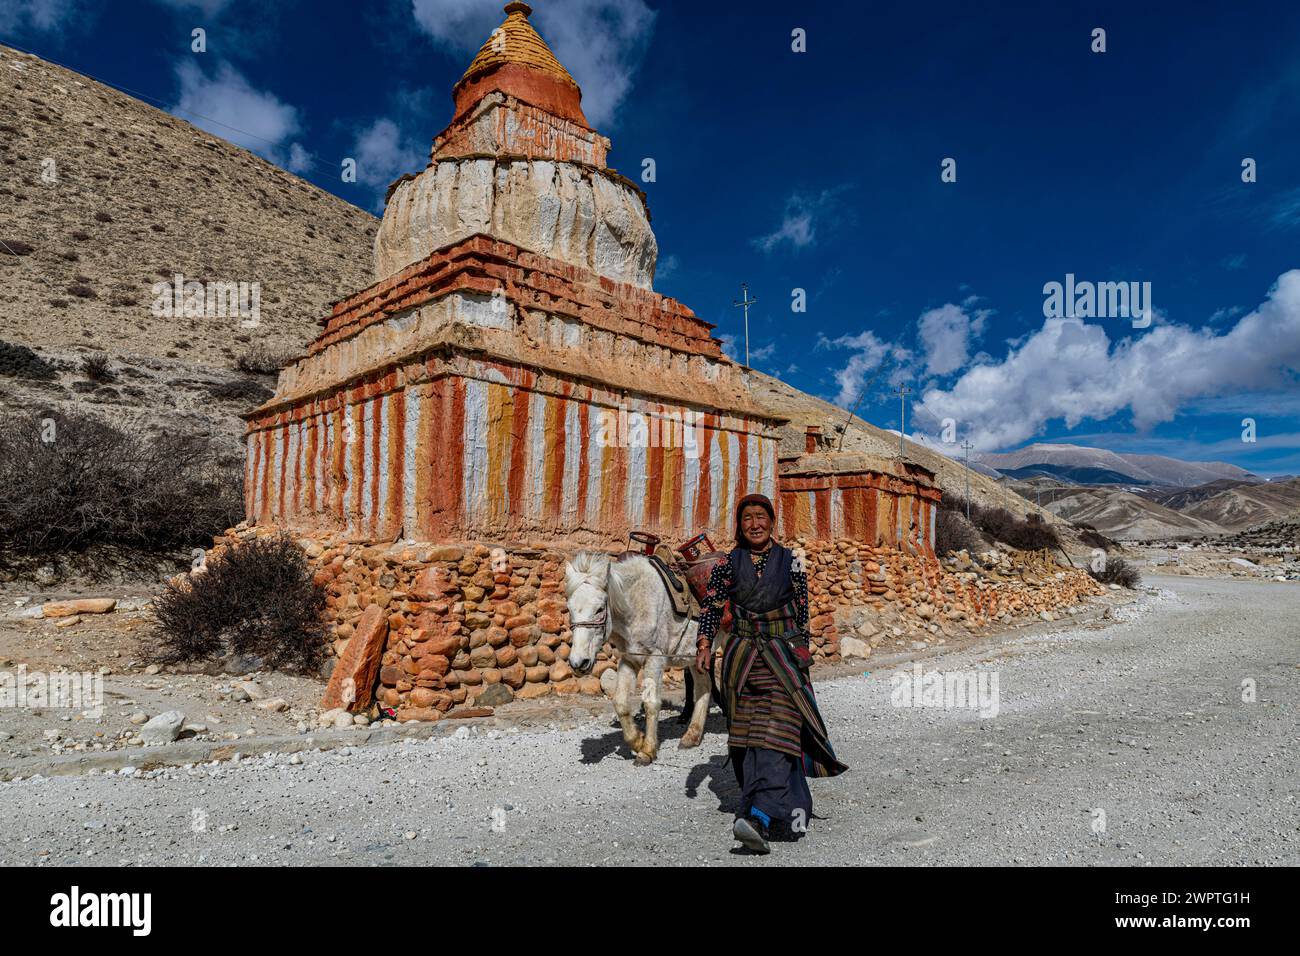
{"type": "Point", "coordinates": [755, 525]}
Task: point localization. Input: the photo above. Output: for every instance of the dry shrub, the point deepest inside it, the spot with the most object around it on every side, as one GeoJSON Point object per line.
{"type": "Point", "coordinates": [96, 368]}
{"type": "Point", "coordinates": [952, 532]}
{"type": "Point", "coordinates": [69, 481]}
{"type": "Point", "coordinates": [246, 390]}
{"type": "Point", "coordinates": [257, 598]}
{"type": "Point", "coordinates": [260, 360]}
{"type": "Point", "coordinates": [22, 362]}
{"type": "Point", "coordinates": [1118, 571]}
{"type": "Point", "coordinates": [1094, 538]}
{"type": "Point", "coordinates": [1030, 533]}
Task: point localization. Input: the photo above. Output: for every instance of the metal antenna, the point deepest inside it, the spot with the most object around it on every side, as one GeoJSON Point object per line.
{"type": "Point", "coordinates": [745, 302]}
{"type": "Point", "coordinates": [903, 392]}
{"type": "Point", "coordinates": [968, 446]}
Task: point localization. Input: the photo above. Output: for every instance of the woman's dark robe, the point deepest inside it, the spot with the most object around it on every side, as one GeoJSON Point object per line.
{"type": "Point", "coordinates": [776, 732]}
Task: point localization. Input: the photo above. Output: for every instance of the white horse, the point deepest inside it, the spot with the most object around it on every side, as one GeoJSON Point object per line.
{"type": "Point", "coordinates": [625, 602]}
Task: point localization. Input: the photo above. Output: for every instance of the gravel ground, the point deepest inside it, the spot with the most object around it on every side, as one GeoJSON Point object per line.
{"type": "Point", "coordinates": [1115, 742]}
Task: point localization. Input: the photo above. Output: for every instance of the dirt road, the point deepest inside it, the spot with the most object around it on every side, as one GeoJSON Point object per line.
{"type": "Point", "coordinates": [1123, 742]}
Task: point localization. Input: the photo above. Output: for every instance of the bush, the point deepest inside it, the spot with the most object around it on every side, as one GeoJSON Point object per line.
{"type": "Point", "coordinates": [241, 390]}
{"type": "Point", "coordinates": [1117, 571]}
{"type": "Point", "coordinates": [22, 362]}
{"type": "Point", "coordinates": [1093, 538]}
{"type": "Point", "coordinates": [952, 532]}
{"type": "Point", "coordinates": [259, 360]}
{"type": "Point", "coordinates": [15, 247]}
{"type": "Point", "coordinates": [71, 481]}
{"type": "Point", "coordinates": [96, 368]}
{"type": "Point", "coordinates": [1030, 533]}
{"type": "Point", "coordinates": [257, 598]}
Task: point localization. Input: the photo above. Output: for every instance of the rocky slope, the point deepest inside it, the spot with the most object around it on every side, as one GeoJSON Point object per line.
{"type": "Point", "coordinates": [1121, 514]}
{"type": "Point", "coordinates": [1214, 508]}
{"type": "Point", "coordinates": [108, 196]}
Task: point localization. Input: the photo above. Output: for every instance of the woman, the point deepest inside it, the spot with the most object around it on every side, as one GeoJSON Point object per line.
{"type": "Point", "coordinates": [776, 734]}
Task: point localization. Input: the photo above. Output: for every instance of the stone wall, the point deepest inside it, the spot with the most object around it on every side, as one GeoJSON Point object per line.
{"type": "Point", "coordinates": [428, 630]}
{"type": "Point", "coordinates": [448, 623]}
{"type": "Point", "coordinates": [862, 593]}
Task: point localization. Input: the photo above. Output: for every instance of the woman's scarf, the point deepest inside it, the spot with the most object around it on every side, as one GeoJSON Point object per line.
{"type": "Point", "coordinates": [755, 594]}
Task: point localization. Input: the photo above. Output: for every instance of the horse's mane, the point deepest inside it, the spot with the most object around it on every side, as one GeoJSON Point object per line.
{"type": "Point", "coordinates": [586, 566]}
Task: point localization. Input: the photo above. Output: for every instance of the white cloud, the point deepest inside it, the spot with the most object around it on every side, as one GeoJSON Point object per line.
{"type": "Point", "coordinates": [40, 16]}
{"type": "Point", "coordinates": [383, 154]}
{"type": "Point", "coordinates": [299, 159]}
{"type": "Point", "coordinates": [868, 353]}
{"type": "Point", "coordinates": [803, 214]}
{"type": "Point", "coordinates": [1286, 213]}
{"type": "Point", "coordinates": [734, 348]}
{"type": "Point", "coordinates": [228, 106]}
{"type": "Point", "coordinates": [600, 42]}
{"type": "Point", "coordinates": [1071, 371]}
{"type": "Point", "coordinates": [946, 334]}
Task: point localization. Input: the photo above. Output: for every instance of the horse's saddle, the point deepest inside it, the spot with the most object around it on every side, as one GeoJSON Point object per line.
{"type": "Point", "coordinates": [683, 598]}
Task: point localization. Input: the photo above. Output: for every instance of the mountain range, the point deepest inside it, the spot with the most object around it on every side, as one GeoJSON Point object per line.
{"type": "Point", "coordinates": [1083, 465]}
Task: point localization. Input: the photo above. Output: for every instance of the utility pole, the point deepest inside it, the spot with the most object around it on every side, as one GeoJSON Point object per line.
{"type": "Point", "coordinates": [745, 302]}
{"type": "Point", "coordinates": [903, 392]}
{"type": "Point", "coordinates": [968, 446]}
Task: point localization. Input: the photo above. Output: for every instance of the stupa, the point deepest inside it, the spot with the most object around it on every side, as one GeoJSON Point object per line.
{"type": "Point", "coordinates": [511, 375]}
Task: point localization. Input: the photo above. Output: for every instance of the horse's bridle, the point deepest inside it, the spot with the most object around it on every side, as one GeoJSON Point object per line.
{"type": "Point", "coordinates": [597, 621]}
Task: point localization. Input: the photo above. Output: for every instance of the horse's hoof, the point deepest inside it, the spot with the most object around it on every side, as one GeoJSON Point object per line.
{"type": "Point", "coordinates": [689, 740]}
{"type": "Point", "coordinates": [643, 759]}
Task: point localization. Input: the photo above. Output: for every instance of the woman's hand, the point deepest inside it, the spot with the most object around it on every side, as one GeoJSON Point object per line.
{"type": "Point", "coordinates": [702, 655]}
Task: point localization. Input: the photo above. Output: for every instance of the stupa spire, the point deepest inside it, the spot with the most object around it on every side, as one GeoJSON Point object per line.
{"type": "Point", "coordinates": [516, 60]}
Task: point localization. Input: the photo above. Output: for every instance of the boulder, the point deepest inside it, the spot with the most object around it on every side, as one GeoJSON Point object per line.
{"type": "Point", "coordinates": [163, 729]}
{"type": "Point", "coordinates": [82, 606]}
{"type": "Point", "coordinates": [853, 647]}
{"type": "Point", "coordinates": [353, 682]}
{"type": "Point", "coordinates": [494, 695]}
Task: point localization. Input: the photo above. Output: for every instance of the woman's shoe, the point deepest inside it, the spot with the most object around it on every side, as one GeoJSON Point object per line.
{"type": "Point", "coordinates": [752, 833]}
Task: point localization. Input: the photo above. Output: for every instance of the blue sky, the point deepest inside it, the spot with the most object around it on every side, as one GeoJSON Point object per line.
{"type": "Point", "coordinates": [820, 171]}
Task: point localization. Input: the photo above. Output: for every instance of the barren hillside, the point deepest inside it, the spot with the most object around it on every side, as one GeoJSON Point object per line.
{"type": "Point", "coordinates": [104, 197]}
{"type": "Point", "coordinates": [107, 196]}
